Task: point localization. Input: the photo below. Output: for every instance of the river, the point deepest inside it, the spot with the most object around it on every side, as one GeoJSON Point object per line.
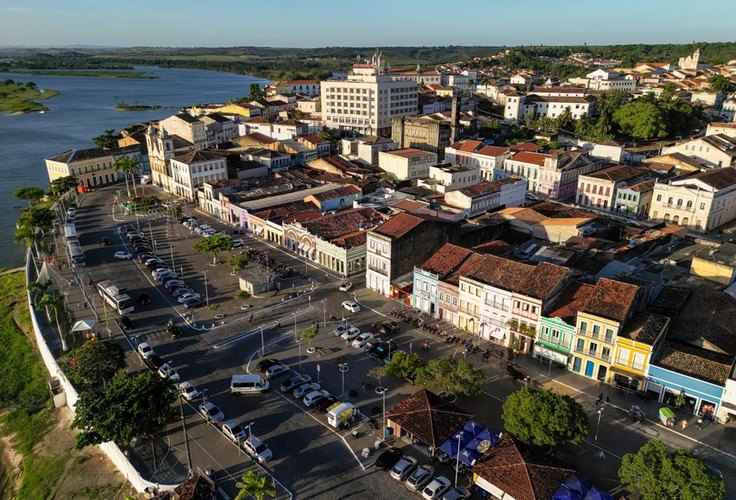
{"type": "Point", "coordinates": [86, 107]}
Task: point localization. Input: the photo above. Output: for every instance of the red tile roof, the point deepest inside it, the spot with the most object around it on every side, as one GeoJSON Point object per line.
{"type": "Point", "coordinates": [342, 223]}
{"type": "Point", "coordinates": [526, 146]}
{"type": "Point", "coordinates": [492, 151]}
{"type": "Point", "coordinates": [347, 190]}
{"type": "Point", "coordinates": [197, 157]}
{"type": "Point", "coordinates": [521, 478]}
{"type": "Point", "coordinates": [495, 247]}
{"type": "Point", "coordinates": [428, 417]}
{"type": "Point", "coordinates": [573, 298]}
{"type": "Point", "coordinates": [611, 299]}
{"type": "Point", "coordinates": [467, 146]}
{"type": "Point", "coordinates": [532, 158]}
{"type": "Point", "coordinates": [538, 281]}
{"type": "Point", "coordinates": [409, 153]}
{"type": "Point", "coordinates": [409, 205]}
{"type": "Point", "coordinates": [466, 268]}
{"type": "Point", "coordinates": [445, 260]}
{"type": "Point", "coordinates": [398, 225]}
{"type": "Point", "coordinates": [484, 188]}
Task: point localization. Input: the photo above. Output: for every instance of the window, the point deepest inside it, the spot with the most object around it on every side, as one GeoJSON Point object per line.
{"type": "Point", "coordinates": [583, 326]}
{"type": "Point", "coordinates": [609, 335]}
{"type": "Point", "coordinates": [638, 361]}
{"type": "Point", "coordinates": [454, 301]}
{"type": "Point", "coordinates": [596, 331]}
{"type": "Point", "coordinates": [593, 349]}
{"type": "Point", "coordinates": [580, 346]}
{"type": "Point", "coordinates": [442, 296]}
{"type": "Point", "coordinates": [577, 364]}
{"type": "Point", "coordinates": [623, 357]}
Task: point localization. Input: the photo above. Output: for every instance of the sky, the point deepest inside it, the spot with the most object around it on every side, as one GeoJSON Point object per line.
{"type": "Point", "coordinates": [318, 23]}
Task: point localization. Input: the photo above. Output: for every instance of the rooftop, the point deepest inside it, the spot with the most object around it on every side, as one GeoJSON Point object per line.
{"type": "Point", "coordinates": [484, 188]}
{"type": "Point", "coordinates": [618, 173]}
{"type": "Point", "coordinates": [81, 154]}
{"type": "Point", "coordinates": [340, 192]}
{"type": "Point", "coordinates": [343, 222]}
{"type": "Point", "coordinates": [645, 327]}
{"type": "Point", "coordinates": [538, 281]}
{"type": "Point", "coordinates": [533, 158]}
{"type": "Point", "coordinates": [695, 362]}
{"type": "Point", "coordinates": [197, 157]}
{"type": "Point", "coordinates": [409, 153]}
{"type": "Point", "coordinates": [572, 299]}
{"type": "Point", "coordinates": [445, 260]}
{"type": "Point", "coordinates": [398, 225]}
{"type": "Point", "coordinates": [611, 299]}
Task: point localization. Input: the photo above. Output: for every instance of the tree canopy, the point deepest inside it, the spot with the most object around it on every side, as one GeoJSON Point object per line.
{"type": "Point", "coordinates": [213, 245]}
{"type": "Point", "coordinates": [404, 365]}
{"type": "Point", "coordinates": [108, 139]}
{"type": "Point", "coordinates": [544, 418]}
{"type": "Point", "coordinates": [253, 484]}
{"type": "Point", "coordinates": [61, 185]}
{"type": "Point", "coordinates": [641, 119]}
{"type": "Point", "coordinates": [719, 83]}
{"type": "Point", "coordinates": [655, 473]}
{"type": "Point", "coordinates": [452, 376]}
{"type": "Point", "coordinates": [29, 193]}
{"type": "Point", "coordinates": [93, 364]}
{"type": "Point", "coordinates": [130, 406]}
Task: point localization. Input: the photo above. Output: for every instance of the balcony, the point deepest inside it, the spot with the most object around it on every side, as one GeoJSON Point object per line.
{"type": "Point", "coordinates": [595, 336]}
{"type": "Point", "coordinates": [594, 354]}
{"type": "Point", "coordinates": [378, 270]}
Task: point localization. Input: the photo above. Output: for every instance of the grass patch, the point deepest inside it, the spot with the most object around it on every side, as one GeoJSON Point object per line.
{"type": "Point", "coordinates": [41, 476]}
{"type": "Point", "coordinates": [28, 428]}
{"type": "Point", "coordinates": [18, 97]}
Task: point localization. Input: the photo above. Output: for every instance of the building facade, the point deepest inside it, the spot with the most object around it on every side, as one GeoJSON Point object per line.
{"type": "Point", "coordinates": [191, 170]}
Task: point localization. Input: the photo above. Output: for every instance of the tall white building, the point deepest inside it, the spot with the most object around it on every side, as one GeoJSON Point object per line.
{"type": "Point", "coordinates": [367, 100]}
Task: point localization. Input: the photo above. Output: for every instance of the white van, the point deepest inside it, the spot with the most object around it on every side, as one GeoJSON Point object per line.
{"type": "Point", "coordinates": [248, 384]}
{"type": "Point", "coordinates": [340, 414]}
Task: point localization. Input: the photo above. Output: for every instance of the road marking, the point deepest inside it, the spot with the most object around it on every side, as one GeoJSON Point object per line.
{"type": "Point", "coordinates": [245, 335]}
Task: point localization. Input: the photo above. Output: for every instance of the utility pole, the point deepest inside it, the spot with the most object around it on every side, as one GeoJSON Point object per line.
{"type": "Point", "coordinates": [186, 436]}
{"type": "Point", "coordinates": [263, 345]}
{"type": "Point", "coordinates": [206, 291]}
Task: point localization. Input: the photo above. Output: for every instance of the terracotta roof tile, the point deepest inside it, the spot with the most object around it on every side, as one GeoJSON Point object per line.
{"type": "Point", "coordinates": [695, 362]}
{"type": "Point", "coordinates": [571, 300]}
{"type": "Point", "coordinates": [409, 205]}
{"type": "Point", "coordinates": [347, 190]}
{"type": "Point", "coordinates": [492, 151]}
{"type": "Point", "coordinates": [532, 158]}
{"type": "Point", "coordinates": [445, 260]}
{"type": "Point", "coordinates": [645, 327]}
{"type": "Point", "coordinates": [342, 223]}
{"type": "Point", "coordinates": [611, 299]}
{"type": "Point", "coordinates": [526, 146]}
{"type": "Point", "coordinates": [538, 281]}
{"type": "Point", "coordinates": [398, 225]}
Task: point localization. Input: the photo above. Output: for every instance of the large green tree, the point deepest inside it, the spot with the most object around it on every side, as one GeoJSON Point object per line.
{"type": "Point", "coordinates": [452, 376]}
{"type": "Point", "coordinates": [93, 364]}
{"type": "Point", "coordinates": [654, 473]}
{"type": "Point", "coordinates": [130, 406]}
{"type": "Point", "coordinates": [641, 119]}
{"type": "Point", "coordinates": [61, 185]}
{"type": "Point", "coordinates": [214, 245]}
{"type": "Point", "coordinates": [543, 418]}
{"type": "Point", "coordinates": [404, 365]}
{"type": "Point", "coordinates": [31, 194]}
{"type": "Point", "coordinates": [256, 93]}
{"type": "Point", "coordinates": [108, 139]}
{"type": "Point", "coordinates": [255, 485]}
{"type": "Point", "coordinates": [719, 83]}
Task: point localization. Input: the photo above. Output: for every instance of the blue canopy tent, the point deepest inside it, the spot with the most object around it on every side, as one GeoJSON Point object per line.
{"type": "Point", "coordinates": [472, 434]}
{"type": "Point", "coordinates": [565, 493]}
{"type": "Point", "coordinates": [484, 435]}
{"type": "Point", "coordinates": [450, 446]}
{"type": "Point", "coordinates": [596, 494]}
{"type": "Point", "coordinates": [577, 484]}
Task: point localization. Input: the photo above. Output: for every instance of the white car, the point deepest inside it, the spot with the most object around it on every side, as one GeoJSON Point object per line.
{"type": "Point", "coordinates": [165, 275]}
{"type": "Point", "coordinates": [352, 333]}
{"type": "Point", "coordinates": [145, 350]}
{"type": "Point", "coordinates": [237, 243]}
{"type": "Point", "coordinates": [351, 306]}
{"type": "Point", "coordinates": [362, 339]}
{"type": "Point", "coordinates": [123, 255]}
{"type": "Point", "coordinates": [305, 389]}
{"type": "Point", "coordinates": [188, 391]}
{"type": "Point", "coordinates": [233, 431]}
{"type": "Point", "coordinates": [187, 296]}
{"type": "Point", "coordinates": [403, 468]}
{"type": "Point", "coordinates": [211, 412]}
{"type": "Point", "coordinates": [169, 372]}
{"type": "Point", "coordinates": [436, 488]}
{"type": "Point", "coordinates": [314, 396]}
{"type": "Point", "coordinates": [162, 271]}
{"type": "Point", "coordinates": [421, 476]}
{"type": "Point", "coordinates": [341, 329]}
{"type": "Point", "coordinates": [257, 449]}
{"type": "Point", "coordinates": [346, 286]}
{"type": "Point", "coordinates": [277, 370]}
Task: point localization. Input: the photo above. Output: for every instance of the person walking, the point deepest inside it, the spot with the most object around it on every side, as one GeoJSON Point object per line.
{"type": "Point", "coordinates": [683, 424]}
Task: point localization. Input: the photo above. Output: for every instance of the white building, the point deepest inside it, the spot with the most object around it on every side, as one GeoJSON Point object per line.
{"type": "Point", "coordinates": [187, 127]}
{"type": "Point", "coordinates": [717, 150]}
{"type": "Point", "coordinates": [529, 107]}
{"type": "Point", "coordinates": [698, 200]}
{"type": "Point", "coordinates": [603, 80]}
{"type": "Point", "coordinates": [306, 87]}
{"type": "Point", "coordinates": [191, 170]}
{"type": "Point", "coordinates": [277, 130]}
{"type": "Point", "coordinates": [407, 164]}
{"type": "Point", "coordinates": [487, 196]}
{"type": "Point", "coordinates": [447, 177]}
{"type": "Point", "coordinates": [599, 188]}
{"type": "Point", "coordinates": [475, 154]}
{"type": "Point", "coordinates": [367, 100]}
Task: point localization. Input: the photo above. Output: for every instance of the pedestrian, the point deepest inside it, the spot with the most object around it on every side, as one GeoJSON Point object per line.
{"type": "Point", "coordinates": [700, 423]}
{"type": "Point", "coordinates": [683, 424]}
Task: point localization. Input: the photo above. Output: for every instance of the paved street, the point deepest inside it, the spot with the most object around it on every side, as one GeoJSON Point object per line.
{"type": "Point", "coordinates": [310, 458]}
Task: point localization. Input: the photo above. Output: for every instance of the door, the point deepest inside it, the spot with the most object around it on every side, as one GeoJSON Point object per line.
{"type": "Point", "coordinates": [589, 368]}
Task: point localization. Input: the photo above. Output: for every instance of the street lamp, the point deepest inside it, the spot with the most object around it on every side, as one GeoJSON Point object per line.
{"type": "Point", "coordinates": [343, 367]}
{"type": "Point", "coordinates": [263, 345]}
{"type": "Point", "coordinates": [598, 427]}
{"type": "Point", "coordinates": [457, 458]}
{"type": "Point", "coordinates": [324, 312]}
{"type": "Point", "coordinates": [248, 427]}
{"type": "Point", "coordinates": [206, 291]}
{"type": "Point", "coordinates": [383, 414]}
{"type": "Point", "coordinates": [295, 338]}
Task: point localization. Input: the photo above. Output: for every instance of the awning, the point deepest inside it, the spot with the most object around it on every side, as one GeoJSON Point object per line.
{"type": "Point", "coordinates": [555, 356]}
{"type": "Point", "coordinates": [498, 333]}
{"type": "Point", "coordinates": [626, 373]}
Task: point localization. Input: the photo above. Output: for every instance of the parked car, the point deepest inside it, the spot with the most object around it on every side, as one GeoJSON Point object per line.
{"type": "Point", "coordinates": [340, 329]}
{"type": "Point", "coordinates": [188, 391]}
{"type": "Point", "coordinates": [153, 362]}
{"type": "Point", "coordinates": [351, 334]}
{"type": "Point", "coordinates": [165, 274]}
{"type": "Point", "coordinates": [145, 350]}
{"type": "Point", "coordinates": [173, 283]}
{"type": "Point", "coordinates": [257, 449]}
{"type": "Point", "coordinates": [265, 364]}
{"type": "Point", "coordinates": [193, 303]}
{"type": "Point", "coordinates": [420, 477]}
{"type": "Point", "coordinates": [152, 260]}
{"type": "Point", "coordinates": [123, 255]}
{"type": "Point", "coordinates": [142, 249]}
{"type": "Point", "coordinates": [351, 306]}
{"type": "Point", "coordinates": [370, 345]}
{"type": "Point", "coordinates": [276, 371]}
{"type": "Point", "coordinates": [362, 339]}
{"type": "Point", "coordinates": [346, 286]}
{"type": "Point", "coordinates": [187, 296]}
{"type": "Point", "coordinates": [161, 272]}
{"type": "Point", "coordinates": [305, 389]}
{"type": "Point", "coordinates": [456, 493]}
{"type": "Point", "coordinates": [144, 299]}
{"type": "Point", "coordinates": [211, 412]}
{"type": "Point", "coordinates": [178, 292]}
{"type": "Point", "coordinates": [315, 396]}
{"type": "Point", "coordinates": [404, 467]}
{"type": "Point", "coordinates": [169, 372]}
{"type": "Point", "coordinates": [237, 243]}
{"type": "Point", "coordinates": [294, 382]}
{"type": "Point", "coordinates": [389, 328]}
{"type": "Point", "coordinates": [380, 351]}
{"type": "Point", "coordinates": [233, 431]}
{"type": "Point", "coordinates": [436, 488]}
{"type": "Point", "coordinates": [126, 323]}
{"type": "Point", "coordinates": [143, 257]}
{"type": "Point", "coordinates": [324, 404]}
{"type": "Point", "coordinates": [388, 458]}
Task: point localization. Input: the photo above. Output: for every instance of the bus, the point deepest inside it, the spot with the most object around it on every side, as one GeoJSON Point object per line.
{"type": "Point", "coordinates": [75, 253]}
{"type": "Point", "coordinates": [115, 296]}
{"type": "Point", "coordinates": [70, 230]}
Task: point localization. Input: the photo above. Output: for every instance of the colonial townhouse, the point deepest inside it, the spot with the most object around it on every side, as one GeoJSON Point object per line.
{"type": "Point", "coordinates": [187, 127]}
{"type": "Point", "coordinates": [610, 305]}
{"type": "Point", "coordinates": [462, 152]}
{"type": "Point", "coordinates": [162, 146]}
{"type": "Point", "coordinates": [531, 106]}
{"type": "Point", "coordinates": [557, 326]}
{"type": "Point", "coordinates": [715, 151]}
{"type": "Point", "coordinates": [635, 199]}
{"type": "Point", "coordinates": [191, 170]}
{"type": "Point", "coordinates": [449, 290]}
{"type": "Point", "coordinates": [426, 289]}
{"type": "Point", "coordinates": [698, 200]}
{"type": "Point", "coordinates": [306, 87]}
{"type": "Point", "coordinates": [278, 130]}
{"type": "Point", "coordinates": [526, 165]}
{"type": "Point", "coordinates": [475, 154]}
{"type": "Point", "coordinates": [336, 199]}
{"type": "Point", "coordinates": [634, 347]}
{"type": "Point", "coordinates": [407, 164]}
{"type": "Point", "coordinates": [219, 129]}
{"type": "Point", "coordinates": [335, 242]}
{"type": "Point", "coordinates": [469, 310]}
{"type": "Point", "coordinates": [447, 177]}
{"type": "Point", "coordinates": [558, 175]}
{"type": "Point", "coordinates": [490, 195]}
{"type": "Point", "coordinates": [598, 189]}
{"type": "Point", "coordinates": [91, 167]}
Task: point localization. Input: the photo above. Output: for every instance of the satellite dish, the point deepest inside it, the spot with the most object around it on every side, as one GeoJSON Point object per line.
{"type": "Point", "coordinates": [484, 446]}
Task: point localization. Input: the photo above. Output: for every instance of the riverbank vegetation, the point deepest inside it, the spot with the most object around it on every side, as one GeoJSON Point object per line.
{"type": "Point", "coordinates": [84, 72]}
{"type": "Point", "coordinates": [16, 97]}
{"type": "Point", "coordinates": [122, 106]}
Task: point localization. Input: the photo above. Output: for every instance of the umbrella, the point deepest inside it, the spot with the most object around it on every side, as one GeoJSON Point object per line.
{"type": "Point", "coordinates": [577, 484]}
{"type": "Point", "coordinates": [596, 494]}
{"type": "Point", "coordinates": [83, 325]}
{"type": "Point", "coordinates": [450, 445]}
{"type": "Point", "coordinates": [484, 435]}
{"type": "Point", "coordinates": [473, 428]}
{"type": "Point", "coordinates": [565, 493]}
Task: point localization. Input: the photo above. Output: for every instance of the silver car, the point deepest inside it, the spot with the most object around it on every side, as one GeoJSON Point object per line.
{"type": "Point", "coordinates": [403, 468]}
{"type": "Point", "coordinates": [420, 477]}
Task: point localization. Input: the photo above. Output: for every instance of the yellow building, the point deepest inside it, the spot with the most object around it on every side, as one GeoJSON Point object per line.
{"type": "Point", "coordinates": [634, 347]}
{"type": "Point", "coordinates": [242, 108]}
{"type": "Point", "coordinates": [599, 322]}
{"type": "Point", "coordinates": [91, 167]}
{"type": "Point", "coordinates": [716, 264]}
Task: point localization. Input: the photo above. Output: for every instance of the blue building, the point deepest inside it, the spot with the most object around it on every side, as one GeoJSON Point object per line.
{"type": "Point", "coordinates": [689, 377]}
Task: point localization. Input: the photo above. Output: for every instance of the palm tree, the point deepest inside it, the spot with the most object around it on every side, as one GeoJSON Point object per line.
{"type": "Point", "coordinates": [38, 289]}
{"type": "Point", "coordinates": [253, 484]}
{"type": "Point", "coordinates": [52, 301]}
{"type": "Point", "coordinates": [127, 167]}
{"type": "Point", "coordinates": [29, 235]}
